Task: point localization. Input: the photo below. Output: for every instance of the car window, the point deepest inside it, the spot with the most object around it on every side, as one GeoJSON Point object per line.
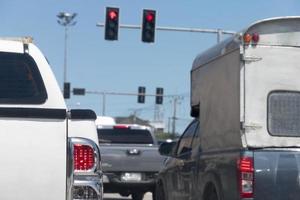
{"type": "Point", "coordinates": [125, 136]}
{"type": "Point", "coordinates": [20, 80]}
{"type": "Point", "coordinates": [284, 113]}
{"type": "Point", "coordinates": [187, 138]}
{"type": "Point", "coordinates": [196, 139]}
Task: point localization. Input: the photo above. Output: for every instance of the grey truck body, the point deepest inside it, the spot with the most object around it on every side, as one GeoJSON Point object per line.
{"type": "Point", "coordinates": [129, 149]}
{"type": "Point", "coordinates": [246, 99]}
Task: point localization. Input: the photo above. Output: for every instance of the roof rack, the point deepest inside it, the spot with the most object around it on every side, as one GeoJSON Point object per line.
{"type": "Point", "coordinates": [25, 40]}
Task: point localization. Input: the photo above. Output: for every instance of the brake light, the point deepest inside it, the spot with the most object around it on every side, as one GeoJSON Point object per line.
{"type": "Point", "coordinates": [246, 176]}
{"type": "Point", "coordinates": [84, 158]}
{"type": "Point", "coordinates": [121, 127]}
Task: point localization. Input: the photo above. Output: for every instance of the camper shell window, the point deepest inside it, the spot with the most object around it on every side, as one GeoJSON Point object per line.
{"type": "Point", "coordinates": [20, 80]}
{"type": "Point", "coordinates": [284, 113]}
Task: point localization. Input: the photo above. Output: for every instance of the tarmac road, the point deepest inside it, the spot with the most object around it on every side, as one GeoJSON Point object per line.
{"type": "Point", "coordinates": [148, 196]}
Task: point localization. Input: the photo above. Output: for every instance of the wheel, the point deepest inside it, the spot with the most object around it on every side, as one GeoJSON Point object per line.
{"type": "Point", "coordinates": [137, 196]}
{"type": "Point", "coordinates": [211, 194]}
{"type": "Point", "coordinates": [159, 193]}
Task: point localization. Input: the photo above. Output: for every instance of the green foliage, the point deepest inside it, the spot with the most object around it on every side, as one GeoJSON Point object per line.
{"type": "Point", "coordinates": [164, 136]}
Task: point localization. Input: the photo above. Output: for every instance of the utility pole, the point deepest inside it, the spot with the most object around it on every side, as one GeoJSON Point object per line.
{"type": "Point", "coordinates": [103, 103]}
{"type": "Point", "coordinates": [174, 118]}
{"type": "Point", "coordinates": [66, 19]}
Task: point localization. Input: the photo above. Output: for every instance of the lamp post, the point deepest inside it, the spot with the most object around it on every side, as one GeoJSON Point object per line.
{"type": "Point", "coordinates": [66, 19]}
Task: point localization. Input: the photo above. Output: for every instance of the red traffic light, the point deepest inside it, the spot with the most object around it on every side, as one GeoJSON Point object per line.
{"type": "Point", "coordinates": [111, 23]}
{"type": "Point", "coordinates": [113, 15]}
{"type": "Point", "coordinates": [148, 25]}
{"type": "Point", "coordinates": [150, 17]}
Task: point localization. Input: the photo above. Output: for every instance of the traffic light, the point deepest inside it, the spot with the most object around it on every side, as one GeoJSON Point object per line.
{"type": "Point", "coordinates": [111, 23]}
{"type": "Point", "coordinates": [78, 91]}
{"type": "Point", "coordinates": [141, 94]}
{"type": "Point", "coordinates": [159, 95]}
{"type": "Point", "coordinates": [148, 25]}
{"type": "Point", "coordinates": [66, 91]}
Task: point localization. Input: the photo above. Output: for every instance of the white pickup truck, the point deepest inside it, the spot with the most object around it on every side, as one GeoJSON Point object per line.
{"type": "Point", "coordinates": [47, 152]}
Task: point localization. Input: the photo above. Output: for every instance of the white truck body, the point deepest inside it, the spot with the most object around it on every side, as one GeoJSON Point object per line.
{"type": "Point", "coordinates": [35, 137]}
{"type": "Point", "coordinates": [232, 83]}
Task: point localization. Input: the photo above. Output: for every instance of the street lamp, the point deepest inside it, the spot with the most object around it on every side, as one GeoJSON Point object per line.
{"type": "Point", "coordinates": [66, 19]}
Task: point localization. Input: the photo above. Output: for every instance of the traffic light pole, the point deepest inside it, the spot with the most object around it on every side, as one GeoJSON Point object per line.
{"type": "Point", "coordinates": [104, 94]}
{"type": "Point", "coordinates": [219, 32]}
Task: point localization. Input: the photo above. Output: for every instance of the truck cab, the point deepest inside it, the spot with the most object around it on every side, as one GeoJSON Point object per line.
{"type": "Point", "coordinates": [47, 151]}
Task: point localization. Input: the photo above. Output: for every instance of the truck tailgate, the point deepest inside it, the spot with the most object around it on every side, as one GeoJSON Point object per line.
{"type": "Point", "coordinates": [33, 158]}
{"type": "Point", "coordinates": [118, 158]}
{"type": "Point", "coordinates": [277, 174]}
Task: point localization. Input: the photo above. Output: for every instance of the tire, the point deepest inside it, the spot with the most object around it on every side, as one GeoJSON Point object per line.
{"type": "Point", "coordinates": [137, 196]}
{"type": "Point", "coordinates": [159, 193]}
{"type": "Point", "coordinates": [154, 194]}
{"type": "Point", "coordinates": [211, 194]}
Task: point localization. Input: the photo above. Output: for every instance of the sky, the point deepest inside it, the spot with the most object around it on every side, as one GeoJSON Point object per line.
{"type": "Point", "coordinates": [122, 66]}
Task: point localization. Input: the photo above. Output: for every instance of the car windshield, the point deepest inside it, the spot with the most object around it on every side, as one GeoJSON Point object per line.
{"type": "Point", "coordinates": [125, 136]}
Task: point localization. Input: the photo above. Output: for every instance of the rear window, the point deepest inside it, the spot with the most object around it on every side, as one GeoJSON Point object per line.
{"type": "Point", "coordinates": [284, 113]}
{"type": "Point", "coordinates": [125, 136]}
{"type": "Point", "coordinates": [20, 80]}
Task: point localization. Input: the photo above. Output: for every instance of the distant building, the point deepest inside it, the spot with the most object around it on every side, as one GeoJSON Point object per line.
{"type": "Point", "coordinates": [158, 126]}
{"type": "Point", "coordinates": [132, 119]}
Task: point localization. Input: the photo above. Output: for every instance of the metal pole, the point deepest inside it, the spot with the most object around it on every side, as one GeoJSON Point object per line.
{"type": "Point", "coordinates": [174, 117]}
{"type": "Point", "coordinates": [103, 103]}
{"type": "Point", "coordinates": [66, 19]}
{"type": "Point", "coordinates": [219, 32]}
{"type": "Point", "coordinates": [124, 93]}
{"type": "Point", "coordinates": [65, 58]}
{"type": "Point", "coordinates": [219, 36]}
{"type": "Point", "coordinates": [156, 115]}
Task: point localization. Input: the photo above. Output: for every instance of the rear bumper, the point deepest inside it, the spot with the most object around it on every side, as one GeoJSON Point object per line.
{"type": "Point", "coordinates": [93, 183]}
{"type": "Point", "coordinates": [113, 184]}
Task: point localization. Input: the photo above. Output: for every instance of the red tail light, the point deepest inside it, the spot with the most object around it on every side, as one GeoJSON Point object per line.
{"type": "Point", "coordinates": [246, 176]}
{"type": "Point", "coordinates": [84, 158]}
{"type": "Point", "coordinates": [121, 127]}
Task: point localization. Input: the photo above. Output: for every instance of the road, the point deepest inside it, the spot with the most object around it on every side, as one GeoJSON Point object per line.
{"type": "Point", "coordinates": [148, 196]}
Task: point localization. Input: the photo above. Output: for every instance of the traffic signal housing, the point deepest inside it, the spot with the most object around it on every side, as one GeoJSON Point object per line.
{"type": "Point", "coordinates": [111, 23]}
{"type": "Point", "coordinates": [148, 26]}
{"type": "Point", "coordinates": [159, 96]}
{"type": "Point", "coordinates": [79, 91]}
{"type": "Point", "coordinates": [141, 94]}
{"type": "Point", "coordinates": [67, 88]}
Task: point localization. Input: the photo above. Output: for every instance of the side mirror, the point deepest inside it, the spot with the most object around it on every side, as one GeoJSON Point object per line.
{"type": "Point", "coordinates": [195, 111]}
{"type": "Point", "coordinates": [167, 148]}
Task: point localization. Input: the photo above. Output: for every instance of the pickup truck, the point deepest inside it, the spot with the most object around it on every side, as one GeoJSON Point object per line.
{"type": "Point", "coordinates": [244, 141]}
{"type": "Point", "coordinates": [47, 151]}
{"type": "Point", "coordinates": [130, 159]}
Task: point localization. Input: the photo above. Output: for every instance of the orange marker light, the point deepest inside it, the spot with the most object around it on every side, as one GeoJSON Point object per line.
{"type": "Point", "coordinates": [247, 38]}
